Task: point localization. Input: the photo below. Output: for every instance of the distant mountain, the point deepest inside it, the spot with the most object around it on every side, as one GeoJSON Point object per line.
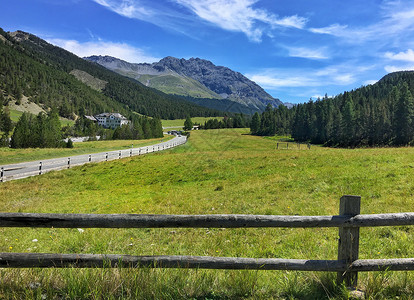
{"type": "Point", "coordinates": [53, 77]}
{"type": "Point", "coordinates": [194, 77]}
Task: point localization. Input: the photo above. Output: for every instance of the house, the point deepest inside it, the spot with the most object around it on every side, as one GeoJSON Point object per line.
{"type": "Point", "coordinates": [111, 120]}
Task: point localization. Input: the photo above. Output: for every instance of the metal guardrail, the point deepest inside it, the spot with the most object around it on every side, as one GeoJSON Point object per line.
{"type": "Point", "coordinates": [23, 170]}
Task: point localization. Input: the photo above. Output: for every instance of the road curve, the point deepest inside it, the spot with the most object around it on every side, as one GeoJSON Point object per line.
{"type": "Point", "coordinates": [33, 168]}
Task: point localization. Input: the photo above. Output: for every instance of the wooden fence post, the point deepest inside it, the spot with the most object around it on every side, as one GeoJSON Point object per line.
{"type": "Point", "coordinates": [348, 244]}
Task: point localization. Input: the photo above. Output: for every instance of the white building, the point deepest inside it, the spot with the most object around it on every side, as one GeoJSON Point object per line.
{"type": "Point", "coordinates": [111, 120]}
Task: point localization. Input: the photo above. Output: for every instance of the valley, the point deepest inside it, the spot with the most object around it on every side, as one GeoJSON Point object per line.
{"type": "Point", "coordinates": [203, 177]}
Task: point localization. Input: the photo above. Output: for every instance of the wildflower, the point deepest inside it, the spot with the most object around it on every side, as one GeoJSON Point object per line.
{"type": "Point", "coordinates": [34, 241]}
{"type": "Point", "coordinates": [10, 247]}
{"type": "Point", "coordinates": [80, 230]}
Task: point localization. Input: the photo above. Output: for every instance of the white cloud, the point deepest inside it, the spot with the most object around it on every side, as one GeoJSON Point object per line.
{"type": "Point", "coordinates": [368, 82]}
{"type": "Point", "coordinates": [292, 21]}
{"type": "Point", "coordinates": [119, 50]}
{"type": "Point", "coordinates": [270, 81]}
{"type": "Point", "coordinates": [397, 21]}
{"type": "Point", "coordinates": [404, 56]}
{"type": "Point", "coordinates": [126, 8]}
{"type": "Point", "coordinates": [239, 15]}
{"type": "Point", "coordinates": [310, 53]}
{"type": "Point", "coordinates": [334, 29]}
{"type": "Point", "coordinates": [339, 75]}
{"type": "Point", "coordinates": [232, 15]}
{"type": "Point", "coordinates": [391, 69]}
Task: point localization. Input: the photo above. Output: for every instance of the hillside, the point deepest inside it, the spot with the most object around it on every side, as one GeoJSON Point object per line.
{"type": "Point", "coordinates": [381, 114]}
{"type": "Point", "coordinates": [32, 67]}
{"type": "Point", "coordinates": [194, 77]}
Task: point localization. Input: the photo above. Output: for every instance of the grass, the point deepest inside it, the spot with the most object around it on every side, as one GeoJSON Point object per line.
{"type": "Point", "coordinates": [216, 172]}
{"type": "Point", "coordinates": [179, 123]}
{"type": "Point", "coordinates": [10, 156]}
{"type": "Point", "coordinates": [15, 115]}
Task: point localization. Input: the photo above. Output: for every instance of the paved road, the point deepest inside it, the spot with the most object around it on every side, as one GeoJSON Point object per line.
{"type": "Point", "coordinates": [33, 168]}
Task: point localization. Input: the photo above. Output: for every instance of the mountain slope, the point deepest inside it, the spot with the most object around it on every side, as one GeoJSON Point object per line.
{"type": "Point", "coordinates": [32, 67]}
{"type": "Point", "coordinates": [178, 76]}
{"type": "Point", "coordinates": [167, 81]}
{"type": "Point", "coordinates": [373, 115]}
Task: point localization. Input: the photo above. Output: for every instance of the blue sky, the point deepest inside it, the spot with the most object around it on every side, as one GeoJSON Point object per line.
{"type": "Point", "coordinates": [294, 49]}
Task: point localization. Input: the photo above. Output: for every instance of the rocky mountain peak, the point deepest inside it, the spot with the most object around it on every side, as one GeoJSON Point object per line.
{"type": "Point", "coordinates": [220, 80]}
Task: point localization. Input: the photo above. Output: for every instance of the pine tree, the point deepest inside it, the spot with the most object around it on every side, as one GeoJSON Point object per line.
{"type": "Point", "coordinates": [21, 134]}
{"type": "Point", "coordinates": [188, 123]}
{"type": "Point", "coordinates": [403, 117]}
{"type": "Point", "coordinates": [348, 125]}
{"type": "Point", "coordinates": [6, 124]}
{"type": "Point", "coordinates": [146, 128]}
{"type": "Point", "coordinates": [255, 124]}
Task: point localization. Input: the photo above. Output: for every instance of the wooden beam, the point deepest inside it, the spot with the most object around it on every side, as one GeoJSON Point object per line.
{"type": "Point", "coordinates": [52, 260]}
{"type": "Point", "coordinates": [49, 260]}
{"type": "Point", "coordinates": [348, 243]}
{"type": "Point", "coordinates": [199, 221]}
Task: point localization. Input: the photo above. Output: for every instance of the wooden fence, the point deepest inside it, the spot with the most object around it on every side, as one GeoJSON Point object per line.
{"type": "Point", "coordinates": [292, 145]}
{"type": "Point", "coordinates": [347, 265]}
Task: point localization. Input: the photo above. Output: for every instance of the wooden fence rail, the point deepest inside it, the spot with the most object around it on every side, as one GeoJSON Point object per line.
{"type": "Point", "coordinates": [347, 265]}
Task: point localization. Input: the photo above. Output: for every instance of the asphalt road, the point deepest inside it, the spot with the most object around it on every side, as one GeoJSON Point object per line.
{"type": "Point", "coordinates": [33, 168]}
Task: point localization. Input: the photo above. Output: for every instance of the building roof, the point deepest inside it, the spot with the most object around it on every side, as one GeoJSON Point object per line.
{"type": "Point", "coordinates": [107, 115]}
{"type": "Point", "coordinates": [92, 118]}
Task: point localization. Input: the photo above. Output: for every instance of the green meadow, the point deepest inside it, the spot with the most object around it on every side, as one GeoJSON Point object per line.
{"type": "Point", "coordinates": [223, 171]}
{"type": "Point", "coordinates": [179, 123]}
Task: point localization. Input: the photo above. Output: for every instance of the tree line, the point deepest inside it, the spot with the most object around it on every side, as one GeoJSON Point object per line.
{"type": "Point", "coordinates": [41, 131]}
{"type": "Point", "coordinates": [375, 115]}
{"type": "Point", "coordinates": [238, 121]}
{"type": "Point", "coordinates": [45, 131]}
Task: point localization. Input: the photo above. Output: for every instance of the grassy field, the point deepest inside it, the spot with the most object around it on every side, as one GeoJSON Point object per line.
{"type": "Point", "coordinates": [16, 114]}
{"type": "Point", "coordinates": [179, 123]}
{"type": "Point", "coordinates": [10, 156]}
{"type": "Point", "coordinates": [216, 172]}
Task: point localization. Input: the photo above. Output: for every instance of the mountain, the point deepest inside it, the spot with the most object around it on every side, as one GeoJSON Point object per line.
{"type": "Point", "coordinates": [53, 77]}
{"type": "Point", "coordinates": [194, 77]}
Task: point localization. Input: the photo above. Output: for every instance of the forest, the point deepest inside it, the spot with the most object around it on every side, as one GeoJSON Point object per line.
{"type": "Point", "coordinates": [381, 114]}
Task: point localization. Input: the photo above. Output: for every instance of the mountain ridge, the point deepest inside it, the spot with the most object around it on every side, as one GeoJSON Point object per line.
{"type": "Point", "coordinates": [220, 81]}
{"type": "Point", "coordinates": [32, 67]}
